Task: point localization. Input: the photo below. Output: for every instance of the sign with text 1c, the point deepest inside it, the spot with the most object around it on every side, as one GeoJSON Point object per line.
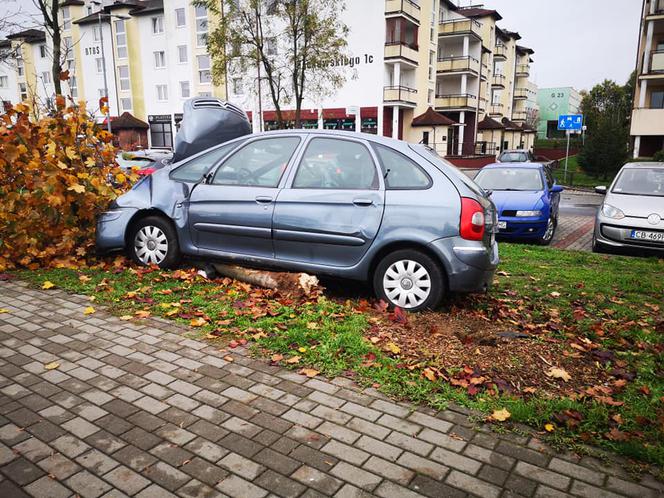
{"type": "Point", "coordinates": [570, 122]}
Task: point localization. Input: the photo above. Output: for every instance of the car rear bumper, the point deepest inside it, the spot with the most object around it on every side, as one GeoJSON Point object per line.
{"type": "Point", "coordinates": [522, 229]}
{"type": "Point", "coordinates": [111, 229]}
{"type": "Point", "coordinates": [469, 265]}
{"type": "Point", "coordinates": [617, 233]}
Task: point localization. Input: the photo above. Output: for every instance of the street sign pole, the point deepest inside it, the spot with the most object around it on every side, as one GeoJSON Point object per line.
{"type": "Point", "coordinates": [567, 156]}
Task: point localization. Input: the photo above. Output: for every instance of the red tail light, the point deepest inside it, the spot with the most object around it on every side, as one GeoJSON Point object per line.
{"type": "Point", "coordinates": [146, 171]}
{"type": "Point", "coordinates": [472, 219]}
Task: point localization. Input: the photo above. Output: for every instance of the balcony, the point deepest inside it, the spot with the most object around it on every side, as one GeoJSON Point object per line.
{"type": "Point", "coordinates": [398, 51]}
{"type": "Point", "coordinates": [647, 122]}
{"type": "Point", "coordinates": [500, 52]}
{"type": "Point", "coordinates": [519, 115]}
{"type": "Point", "coordinates": [522, 70]}
{"type": "Point", "coordinates": [496, 110]}
{"type": "Point", "coordinates": [463, 64]}
{"type": "Point", "coordinates": [403, 8]}
{"type": "Point", "coordinates": [400, 95]}
{"type": "Point", "coordinates": [498, 81]}
{"type": "Point", "coordinates": [460, 27]}
{"type": "Point", "coordinates": [459, 101]}
{"type": "Point", "coordinates": [520, 93]}
{"type": "Point", "coordinates": [657, 61]}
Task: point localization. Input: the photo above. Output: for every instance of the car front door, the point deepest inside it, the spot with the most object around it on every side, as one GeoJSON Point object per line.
{"type": "Point", "coordinates": [232, 211]}
{"type": "Point", "coordinates": [332, 207]}
{"type": "Point", "coordinates": [554, 197]}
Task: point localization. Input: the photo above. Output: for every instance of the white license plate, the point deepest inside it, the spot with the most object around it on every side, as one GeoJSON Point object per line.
{"type": "Point", "coordinates": [649, 236]}
{"type": "Point", "coordinates": [502, 225]}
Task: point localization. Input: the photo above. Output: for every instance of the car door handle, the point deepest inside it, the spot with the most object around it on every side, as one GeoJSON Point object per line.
{"type": "Point", "coordinates": [263, 199]}
{"type": "Point", "coordinates": [363, 202]}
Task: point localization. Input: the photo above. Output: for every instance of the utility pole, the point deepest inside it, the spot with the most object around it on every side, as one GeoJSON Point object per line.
{"type": "Point", "coordinates": [258, 68]}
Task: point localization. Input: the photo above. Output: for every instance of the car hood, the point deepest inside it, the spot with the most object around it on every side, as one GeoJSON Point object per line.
{"type": "Point", "coordinates": [640, 206]}
{"type": "Point", "coordinates": [524, 200]}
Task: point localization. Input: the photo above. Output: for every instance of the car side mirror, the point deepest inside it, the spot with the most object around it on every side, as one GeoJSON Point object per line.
{"type": "Point", "coordinates": [601, 190]}
{"type": "Point", "coordinates": [557, 189]}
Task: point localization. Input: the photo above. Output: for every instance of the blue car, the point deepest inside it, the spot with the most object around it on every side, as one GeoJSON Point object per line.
{"type": "Point", "coordinates": [526, 198]}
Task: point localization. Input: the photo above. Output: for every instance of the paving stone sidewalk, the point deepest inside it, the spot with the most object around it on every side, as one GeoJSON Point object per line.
{"type": "Point", "coordinates": [139, 409]}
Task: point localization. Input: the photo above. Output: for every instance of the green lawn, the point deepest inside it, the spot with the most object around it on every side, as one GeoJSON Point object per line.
{"type": "Point", "coordinates": [576, 177]}
{"type": "Point", "coordinates": [609, 305]}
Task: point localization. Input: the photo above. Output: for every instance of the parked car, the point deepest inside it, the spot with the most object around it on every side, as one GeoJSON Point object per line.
{"type": "Point", "coordinates": [526, 198]}
{"type": "Point", "coordinates": [632, 214]}
{"type": "Point", "coordinates": [327, 202]}
{"type": "Point", "coordinates": [516, 156]}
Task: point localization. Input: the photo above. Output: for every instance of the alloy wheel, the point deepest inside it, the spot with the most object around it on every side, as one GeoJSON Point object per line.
{"type": "Point", "coordinates": [151, 245]}
{"type": "Point", "coordinates": [407, 283]}
{"type": "Point", "coordinates": [550, 228]}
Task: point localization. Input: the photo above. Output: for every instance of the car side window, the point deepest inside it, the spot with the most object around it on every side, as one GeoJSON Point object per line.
{"type": "Point", "coordinates": [194, 169]}
{"type": "Point", "coordinates": [549, 177]}
{"type": "Point", "coordinates": [401, 172]}
{"type": "Point", "coordinates": [332, 163]}
{"type": "Point", "coordinates": [259, 163]}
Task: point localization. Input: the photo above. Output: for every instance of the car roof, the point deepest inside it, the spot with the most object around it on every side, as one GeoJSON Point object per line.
{"type": "Point", "coordinates": [527, 165]}
{"type": "Point", "coordinates": [643, 164]}
{"type": "Point", "coordinates": [392, 142]}
{"type": "Point", "coordinates": [515, 150]}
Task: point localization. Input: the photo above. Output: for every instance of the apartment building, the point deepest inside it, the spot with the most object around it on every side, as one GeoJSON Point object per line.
{"type": "Point", "coordinates": [647, 128]}
{"type": "Point", "coordinates": [420, 70]}
{"type": "Point", "coordinates": [554, 102]}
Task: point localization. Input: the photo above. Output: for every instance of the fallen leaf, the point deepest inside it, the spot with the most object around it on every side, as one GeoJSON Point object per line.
{"type": "Point", "coordinates": [277, 357]}
{"type": "Point", "coordinates": [51, 366]}
{"type": "Point", "coordinates": [293, 360]}
{"type": "Point", "coordinates": [302, 350]}
{"type": "Point", "coordinates": [126, 317]}
{"type": "Point", "coordinates": [309, 372]}
{"type": "Point", "coordinates": [142, 314]}
{"type": "Point", "coordinates": [198, 322]}
{"type": "Point", "coordinates": [558, 373]}
{"type": "Point", "coordinates": [393, 348]}
{"type": "Point", "coordinates": [89, 310]}
{"type": "Point", "coordinates": [3, 310]}
{"type": "Point", "coordinates": [84, 278]}
{"type": "Point", "coordinates": [429, 374]}
{"type": "Point", "coordinates": [48, 285]}
{"type": "Point", "coordinates": [549, 427]}
{"type": "Point", "coordinates": [312, 325]}
{"type": "Point", "coordinates": [229, 358]}
{"type": "Point", "coordinates": [554, 294]}
{"type": "Point", "coordinates": [500, 415]}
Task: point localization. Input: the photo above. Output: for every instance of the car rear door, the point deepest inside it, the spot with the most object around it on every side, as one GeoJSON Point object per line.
{"type": "Point", "coordinates": [332, 206]}
{"type": "Point", "coordinates": [232, 212]}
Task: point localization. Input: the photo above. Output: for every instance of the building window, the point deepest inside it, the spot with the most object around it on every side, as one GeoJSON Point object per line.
{"type": "Point", "coordinates": [162, 93]}
{"type": "Point", "coordinates": [73, 88]}
{"type": "Point", "coordinates": [125, 103]}
{"type": "Point", "coordinates": [96, 34]}
{"type": "Point", "coordinates": [205, 94]}
{"type": "Point", "coordinates": [183, 56]}
{"type": "Point", "coordinates": [657, 99]}
{"type": "Point", "coordinates": [237, 86]}
{"type": "Point", "coordinates": [157, 25]}
{"type": "Point", "coordinates": [46, 77]}
{"type": "Point", "coordinates": [201, 26]}
{"type": "Point", "coordinates": [123, 73]}
{"type": "Point", "coordinates": [19, 67]}
{"type": "Point", "coordinates": [42, 51]}
{"type": "Point", "coordinates": [430, 97]}
{"type": "Point", "coordinates": [66, 18]}
{"type": "Point", "coordinates": [23, 89]}
{"type": "Point", "coordinates": [204, 75]}
{"type": "Point", "coordinates": [68, 48]}
{"type": "Point", "coordinates": [185, 92]}
{"type": "Point", "coordinates": [100, 64]}
{"type": "Point", "coordinates": [4, 81]}
{"type": "Point", "coordinates": [160, 59]}
{"type": "Point", "coordinates": [180, 18]}
{"type": "Point", "coordinates": [161, 135]}
{"type": "Point", "coordinates": [102, 93]}
{"type": "Point", "coordinates": [121, 39]}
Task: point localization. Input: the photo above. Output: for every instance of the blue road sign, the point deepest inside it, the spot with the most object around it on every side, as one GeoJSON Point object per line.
{"type": "Point", "coordinates": [570, 122]}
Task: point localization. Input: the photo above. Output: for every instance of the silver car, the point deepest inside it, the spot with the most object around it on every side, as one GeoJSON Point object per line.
{"type": "Point", "coordinates": [632, 214]}
{"type": "Point", "coordinates": [334, 203]}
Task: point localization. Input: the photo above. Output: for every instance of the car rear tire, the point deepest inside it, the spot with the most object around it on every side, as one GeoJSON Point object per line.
{"type": "Point", "coordinates": [153, 240]}
{"type": "Point", "coordinates": [409, 279]}
{"type": "Point", "coordinates": [551, 226]}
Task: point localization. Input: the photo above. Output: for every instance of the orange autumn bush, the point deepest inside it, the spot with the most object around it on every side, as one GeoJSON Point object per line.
{"type": "Point", "coordinates": [55, 176]}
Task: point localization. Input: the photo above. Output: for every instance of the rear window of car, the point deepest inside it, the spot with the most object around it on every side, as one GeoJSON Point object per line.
{"type": "Point", "coordinates": [194, 169]}
{"type": "Point", "coordinates": [401, 172]}
{"type": "Point", "coordinates": [513, 157]}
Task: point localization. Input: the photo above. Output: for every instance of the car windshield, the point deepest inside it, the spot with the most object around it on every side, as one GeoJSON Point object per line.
{"type": "Point", "coordinates": [640, 181]}
{"type": "Point", "coordinates": [510, 179]}
{"type": "Point", "coordinates": [514, 157]}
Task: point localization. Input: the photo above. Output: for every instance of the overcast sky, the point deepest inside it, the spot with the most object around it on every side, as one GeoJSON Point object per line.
{"type": "Point", "coordinates": [577, 42]}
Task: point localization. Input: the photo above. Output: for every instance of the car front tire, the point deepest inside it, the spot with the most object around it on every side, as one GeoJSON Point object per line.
{"type": "Point", "coordinates": [410, 280]}
{"type": "Point", "coordinates": [550, 232]}
{"type": "Point", "coordinates": [153, 241]}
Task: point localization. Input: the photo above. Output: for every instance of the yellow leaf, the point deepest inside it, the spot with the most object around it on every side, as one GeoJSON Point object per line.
{"type": "Point", "coordinates": [198, 322]}
{"type": "Point", "coordinates": [549, 427]}
{"type": "Point", "coordinates": [3, 310]}
{"type": "Point", "coordinates": [120, 178]}
{"type": "Point", "coordinates": [126, 317]}
{"type": "Point", "coordinates": [84, 278]}
{"type": "Point", "coordinates": [302, 350]}
{"type": "Point", "coordinates": [48, 285]}
{"type": "Point", "coordinates": [52, 366]}
{"type": "Point", "coordinates": [293, 360]}
{"type": "Point", "coordinates": [142, 314]}
{"type": "Point", "coordinates": [70, 152]}
{"type": "Point", "coordinates": [312, 325]}
{"type": "Point", "coordinates": [89, 310]}
{"type": "Point", "coordinates": [309, 372]}
{"type": "Point", "coordinates": [429, 374]}
{"type": "Point", "coordinates": [90, 161]}
{"type": "Point", "coordinates": [500, 415]}
{"type": "Point", "coordinates": [558, 373]}
{"type": "Point", "coordinates": [62, 165]}
{"type": "Point", "coordinates": [172, 312]}
{"type": "Point", "coordinates": [78, 188]}
{"type": "Point", "coordinates": [393, 348]}
{"type": "Point", "coordinates": [51, 148]}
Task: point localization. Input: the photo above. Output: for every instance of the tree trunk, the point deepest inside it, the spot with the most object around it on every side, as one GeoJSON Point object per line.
{"type": "Point", "coordinates": [55, 30]}
{"type": "Point", "coordinates": [297, 284]}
